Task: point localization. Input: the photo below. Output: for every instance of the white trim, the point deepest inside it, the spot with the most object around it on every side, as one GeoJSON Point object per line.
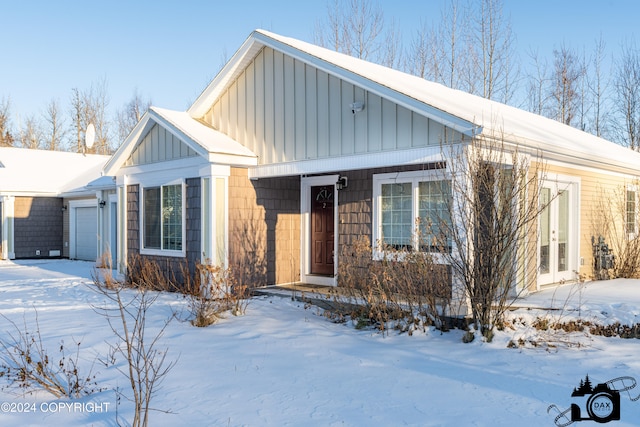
{"type": "Point", "coordinates": [305, 230]}
{"type": "Point", "coordinates": [634, 189]}
{"type": "Point", "coordinates": [413, 177]}
{"type": "Point", "coordinates": [7, 213]}
{"type": "Point", "coordinates": [413, 156]}
{"type": "Point", "coordinates": [73, 205]}
{"type": "Point", "coordinates": [112, 228]}
{"type": "Point", "coordinates": [557, 182]}
{"type": "Point", "coordinates": [163, 252]}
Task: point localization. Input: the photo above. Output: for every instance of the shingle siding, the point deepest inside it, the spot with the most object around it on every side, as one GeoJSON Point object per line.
{"type": "Point", "coordinates": [264, 228]}
{"type": "Point", "coordinates": [37, 226]}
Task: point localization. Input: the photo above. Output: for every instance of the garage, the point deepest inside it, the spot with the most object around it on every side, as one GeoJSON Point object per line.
{"type": "Point", "coordinates": [86, 234]}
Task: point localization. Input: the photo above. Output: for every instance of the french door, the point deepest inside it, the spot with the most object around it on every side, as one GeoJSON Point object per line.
{"type": "Point", "coordinates": [557, 242]}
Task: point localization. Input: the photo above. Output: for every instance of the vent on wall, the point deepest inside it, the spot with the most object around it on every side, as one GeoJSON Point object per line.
{"type": "Point", "coordinates": [54, 253]}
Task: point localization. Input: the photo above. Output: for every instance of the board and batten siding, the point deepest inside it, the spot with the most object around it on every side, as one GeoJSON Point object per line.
{"type": "Point", "coordinates": [159, 145]}
{"type": "Point", "coordinates": [285, 110]}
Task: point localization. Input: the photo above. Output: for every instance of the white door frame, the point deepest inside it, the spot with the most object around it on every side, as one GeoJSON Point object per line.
{"type": "Point", "coordinates": [305, 230]}
{"type": "Point", "coordinates": [558, 183]}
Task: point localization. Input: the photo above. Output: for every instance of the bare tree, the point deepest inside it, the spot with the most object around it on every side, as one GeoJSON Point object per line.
{"type": "Point", "coordinates": [90, 106]}
{"type": "Point", "coordinates": [78, 111]}
{"type": "Point", "coordinates": [31, 133]}
{"type": "Point", "coordinates": [598, 85]}
{"type": "Point", "coordinates": [489, 232]}
{"type": "Point", "coordinates": [130, 115]}
{"type": "Point", "coordinates": [6, 139]}
{"type": "Point", "coordinates": [353, 27]}
{"type": "Point", "coordinates": [537, 85]}
{"type": "Point", "coordinates": [391, 49]}
{"type": "Point", "coordinates": [452, 51]}
{"type": "Point", "coordinates": [627, 87]}
{"type": "Point", "coordinates": [492, 44]}
{"type": "Point", "coordinates": [567, 72]}
{"type": "Point", "coordinates": [54, 132]}
{"type": "Point", "coordinates": [421, 52]}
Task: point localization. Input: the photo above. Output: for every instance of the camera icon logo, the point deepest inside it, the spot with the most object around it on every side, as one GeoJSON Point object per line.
{"type": "Point", "coordinates": [600, 403]}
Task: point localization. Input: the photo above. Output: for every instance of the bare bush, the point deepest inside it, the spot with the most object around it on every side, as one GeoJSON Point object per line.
{"type": "Point", "coordinates": [211, 291]}
{"type": "Point", "coordinates": [492, 215]}
{"type": "Point", "coordinates": [28, 364]}
{"type": "Point", "coordinates": [614, 218]}
{"type": "Point", "coordinates": [407, 288]}
{"type": "Point", "coordinates": [146, 363]}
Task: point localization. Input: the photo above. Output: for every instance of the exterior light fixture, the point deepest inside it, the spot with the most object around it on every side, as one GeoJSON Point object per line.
{"type": "Point", "coordinates": [102, 204]}
{"type": "Point", "coordinates": [342, 183]}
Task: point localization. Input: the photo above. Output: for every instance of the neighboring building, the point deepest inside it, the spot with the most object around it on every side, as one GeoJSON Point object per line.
{"type": "Point", "coordinates": [45, 209]}
{"type": "Point", "coordinates": [288, 155]}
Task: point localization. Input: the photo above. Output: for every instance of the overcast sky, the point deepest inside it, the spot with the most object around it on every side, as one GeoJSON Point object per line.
{"type": "Point", "coordinates": [169, 50]}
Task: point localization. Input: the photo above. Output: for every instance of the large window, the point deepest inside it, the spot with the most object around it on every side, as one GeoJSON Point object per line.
{"type": "Point", "coordinates": [412, 211]}
{"type": "Point", "coordinates": [163, 218]}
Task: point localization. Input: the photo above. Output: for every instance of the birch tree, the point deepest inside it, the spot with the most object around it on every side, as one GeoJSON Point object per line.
{"type": "Point", "coordinates": [6, 138]}
{"type": "Point", "coordinates": [54, 130]}
{"type": "Point", "coordinates": [565, 90]}
{"type": "Point", "coordinates": [627, 89]}
{"type": "Point", "coordinates": [130, 115]}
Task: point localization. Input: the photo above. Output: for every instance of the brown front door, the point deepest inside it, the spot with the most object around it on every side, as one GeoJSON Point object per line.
{"type": "Point", "coordinates": [322, 218]}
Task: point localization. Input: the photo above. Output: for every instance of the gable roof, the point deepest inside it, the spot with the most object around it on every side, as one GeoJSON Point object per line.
{"type": "Point", "coordinates": [46, 173]}
{"type": "Point", "coordinates": [207, 142]}
{"type": "Point", "coordinates": [461, 111]}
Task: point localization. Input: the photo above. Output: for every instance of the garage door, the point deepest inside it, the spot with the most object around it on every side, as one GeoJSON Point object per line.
{"type": "Point", "coordinates": [86, 233]}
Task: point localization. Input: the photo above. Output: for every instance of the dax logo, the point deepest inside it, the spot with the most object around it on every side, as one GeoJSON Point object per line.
{"type": "Point", "coordinates": [600, 403]}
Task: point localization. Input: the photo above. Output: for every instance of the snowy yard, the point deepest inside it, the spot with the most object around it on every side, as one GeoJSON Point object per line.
{"type": "Point", "coordinates": [283, 364]}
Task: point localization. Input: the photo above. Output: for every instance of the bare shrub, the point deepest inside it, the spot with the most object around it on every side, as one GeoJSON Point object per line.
{"type": "Point", "coordinates": [146, 273]}
{"type": "Point", "coordinates": [492, 214]}
{"type": "Point", "coordinates": [28, 364]}
{"type": "Point", "coordinates": [407, 288]}
{"type": "Point", "coordinates": [146, 363]}
{"type": "Point", "coordinates": [610, 219]}
{"type": "Point", "coordinates": [211, 291]}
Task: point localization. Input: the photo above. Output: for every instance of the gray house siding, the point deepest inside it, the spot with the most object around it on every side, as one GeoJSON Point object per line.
{"type": "Point", "coordinates": [38, 227]}
{"type": "Point", "coordinates": [285, 110]}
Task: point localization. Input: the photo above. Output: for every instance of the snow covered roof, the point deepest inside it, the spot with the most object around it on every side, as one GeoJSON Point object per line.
{"type": "Point", "coordinates": [46, 173]}
{"type": "Point", "coordinates": [203, 139]}
{"type": "Point", "coordinates": [466, 113]}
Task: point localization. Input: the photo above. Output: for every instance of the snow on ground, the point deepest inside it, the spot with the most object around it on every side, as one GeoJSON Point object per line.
{"type": "Point", "coordinates": [284, 364]}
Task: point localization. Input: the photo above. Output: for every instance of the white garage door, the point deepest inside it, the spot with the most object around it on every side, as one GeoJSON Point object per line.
{"type": "Point", "coordinates": [86, 233]}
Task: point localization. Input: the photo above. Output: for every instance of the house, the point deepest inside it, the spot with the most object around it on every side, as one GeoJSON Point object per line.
{"type": "Point", "coordinates": [284, 157]}
{"type": "Point", "coordinates": [293, 151]}
{"type": "Point", "coordinates": [47, 208]}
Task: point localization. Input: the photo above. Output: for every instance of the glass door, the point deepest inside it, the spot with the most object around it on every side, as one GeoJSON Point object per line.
{"type": "Point", "coordinates": [557, 244]}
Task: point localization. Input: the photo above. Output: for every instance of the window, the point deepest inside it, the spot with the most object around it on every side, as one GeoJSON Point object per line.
{"type": "Point", "coordinates": [163, 218]}
{"type": "Point", "coordinates": [412, 211]}
{"type": "Point", "coordinates": [631, 212]}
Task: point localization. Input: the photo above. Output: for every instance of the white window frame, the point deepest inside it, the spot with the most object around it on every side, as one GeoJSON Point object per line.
{"type": "Point", "coordinates": [633, 234]}
{"type": "Point", "coordinates": [163, 252]}
{"type": "Point", "coordinates": [413, 177]}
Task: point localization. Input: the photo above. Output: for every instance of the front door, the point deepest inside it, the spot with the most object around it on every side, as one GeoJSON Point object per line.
{"type": "Point", "coordinates": [557, 247]}
{"type": "Point", "coordinates": [322, 226]}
